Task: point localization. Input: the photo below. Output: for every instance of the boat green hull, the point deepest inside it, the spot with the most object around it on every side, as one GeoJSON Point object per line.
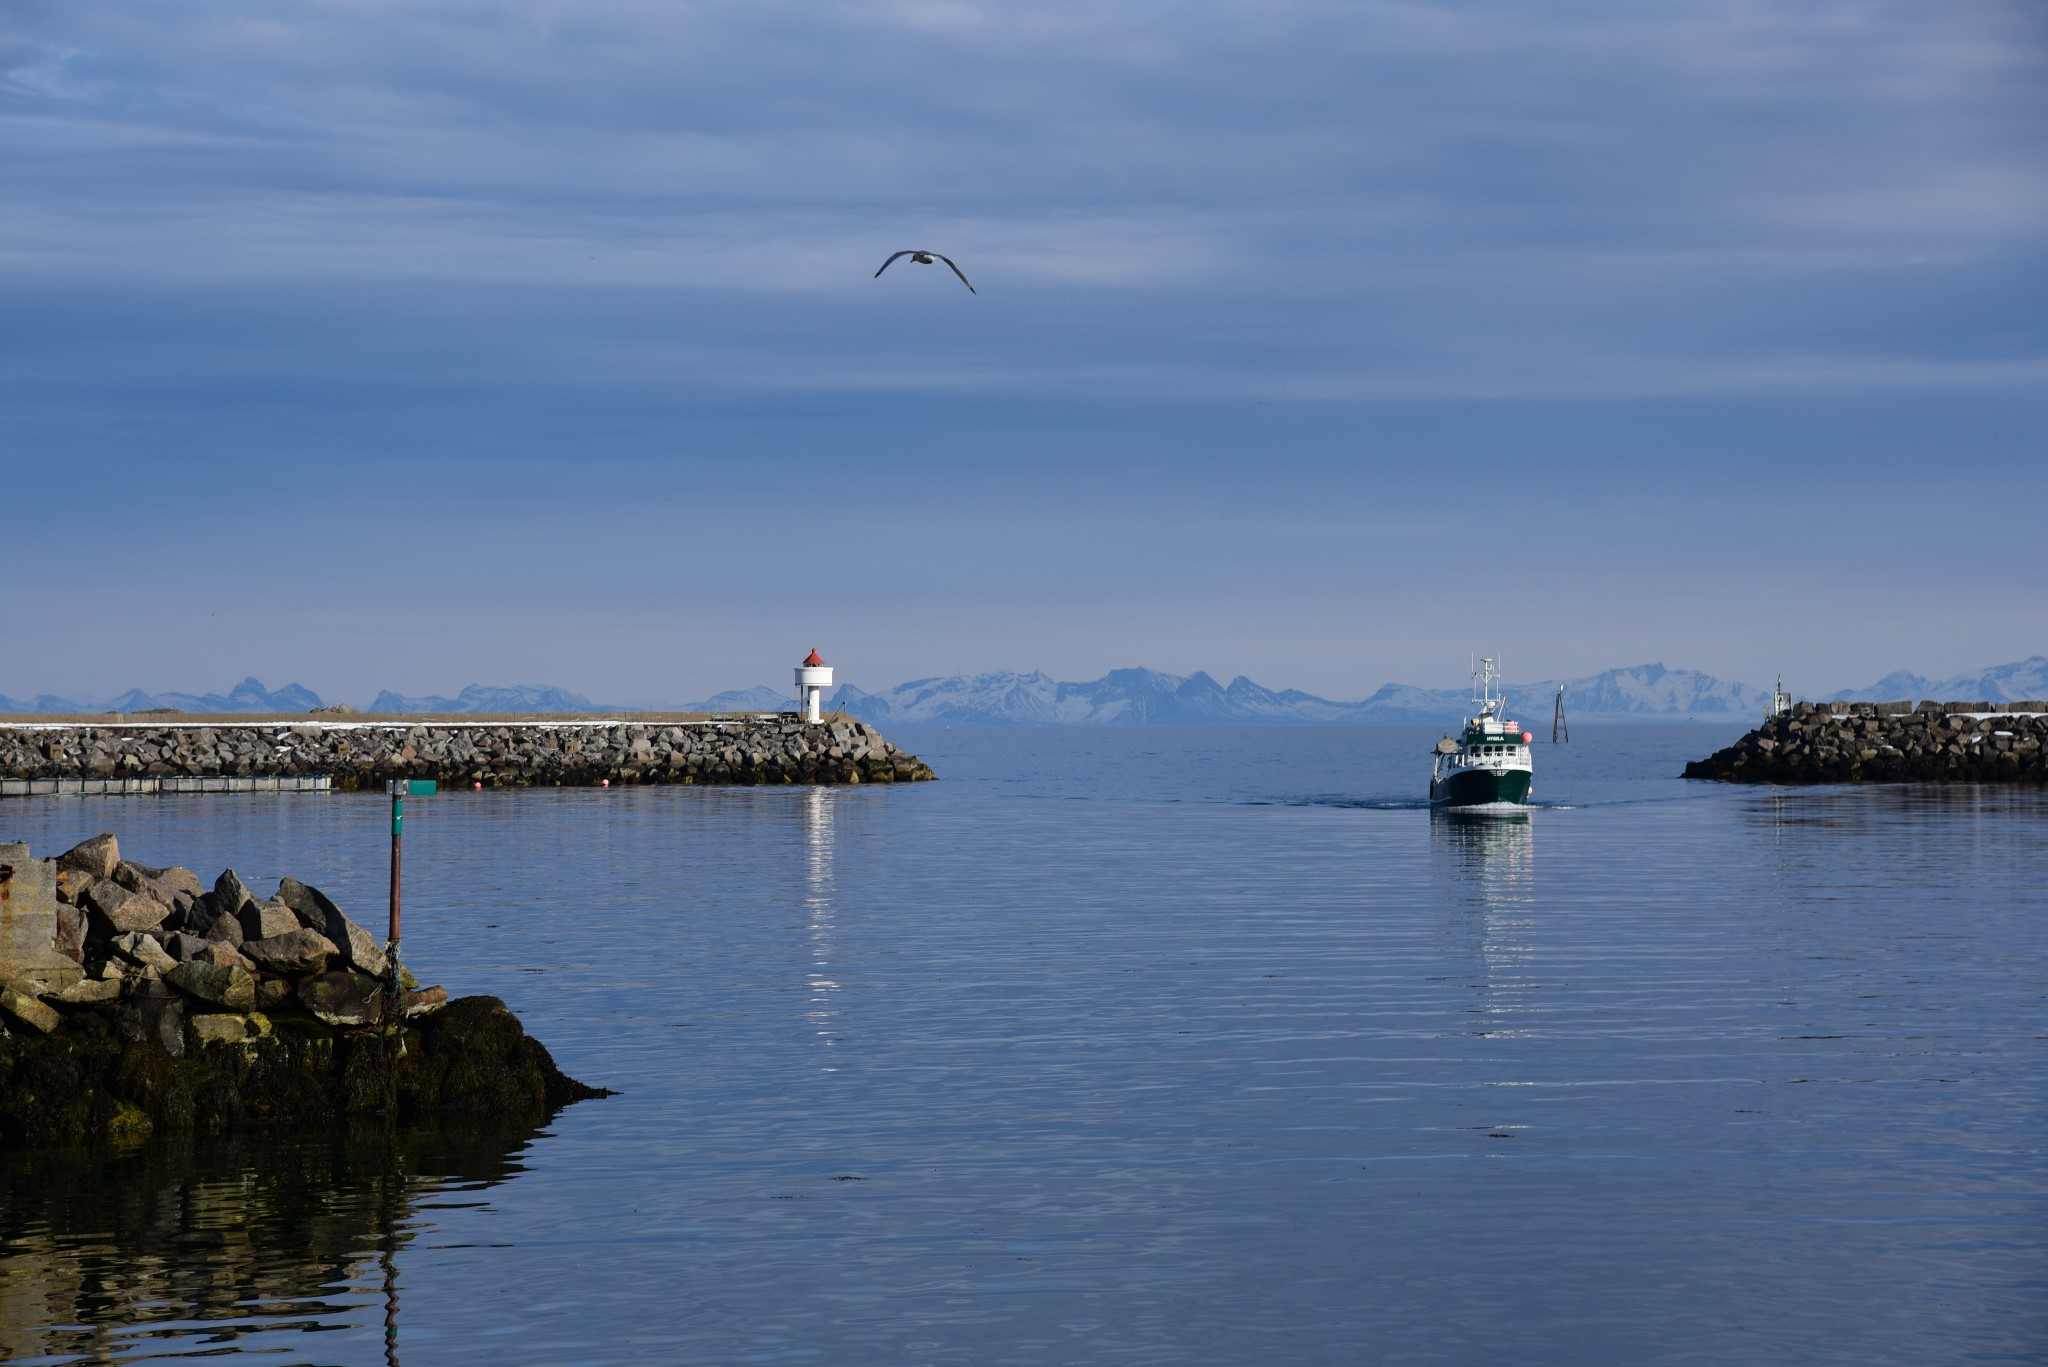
{"type": "Point", "coordinates": [1482, 788]}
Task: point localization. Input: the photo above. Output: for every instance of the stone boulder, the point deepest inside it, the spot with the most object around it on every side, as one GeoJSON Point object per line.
{"type": "Point", "coordinates": [20, 1004]}
{"type": "Point", "coordinates": [294, 953]}
{"type": "Point", "coordinates": [264, 920]}
{"type": "Point", "coordinates": [91, 992]}
{"type": "Point", "coordinates": [343, 998]}
{"type": "Point", "coordinates": [174, 887]}
{"type": "Point", "coordinates": [223, 928]}
{"type": "Point", "coordinates": [184, 946]}
{"type": "Point", "coordinates": [316, 911]}
{"type": "Point", "coordinates": [228, 1029]}
{"type": "Point", "coordinates": [229, 894]}
{"type": "Point", "coordinates": [209, 922]}
{"type": "Point", "coordinates": [233, 988]}
{"type": "Point", "coordinates": [226, 955]}
{"type": "Point", "coordinates": [123, 909]}
{"type": "Point", "coordinates": [144, 952]}
{"type": "Point", "coordinates": [95, 858]}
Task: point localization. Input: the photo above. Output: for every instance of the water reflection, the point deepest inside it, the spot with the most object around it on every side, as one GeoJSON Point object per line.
{"type": "Point", "coordinates": [819, 984]}
{"type": "Point", "coordinates": [1489, 859]}
{"type": "Point", "coordinates": [1493, 853]}
{"type": "Point", "coordinates": [198, 1248]}
{"type": "Point", "coordinates": [1891, 806]}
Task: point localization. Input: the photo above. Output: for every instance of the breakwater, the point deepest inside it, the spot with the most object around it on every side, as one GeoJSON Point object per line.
{"type": "Point", "coordinates": [528, 752]}
{"type": "Point", "coordinates": [1897, 742]}
{"type": "Point", "coordinates": [136, 1000]}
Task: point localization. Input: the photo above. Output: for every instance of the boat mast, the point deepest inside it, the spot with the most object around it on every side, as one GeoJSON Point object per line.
{"type": "Point", "coordinates": [1485, 674]}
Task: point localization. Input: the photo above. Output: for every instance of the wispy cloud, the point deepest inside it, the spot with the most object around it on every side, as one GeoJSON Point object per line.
{"type": "Point", "coordinates": [1271, 256]}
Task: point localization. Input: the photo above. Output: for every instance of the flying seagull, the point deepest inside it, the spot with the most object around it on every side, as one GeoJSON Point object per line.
{"type": "Point", "coordinates": [926, 259]}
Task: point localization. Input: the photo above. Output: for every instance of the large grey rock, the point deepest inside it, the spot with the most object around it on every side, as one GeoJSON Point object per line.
{"type": "Point", "coordinates": [313, 906]}
{"type": "Point", "coordinates": [316, 911]}
{"type": "Point", "coordinates": [209, 922]}
{"type": "Point", "coordinates": [226, 955]}
{"type": "Point", "coordinates": [234, 988]}
{"type": "Point", "coordinates": [144, 952]}
{"type": "Point", "coordinates": [96, 858]}
{"type": "Point", "coordinates": [363, 953]}
{"type": "Point", "coordinates": [21, 1004]}
{"type": "Point", "coordinates": [176, 888]}
{"type": "Point", "coordinates": [294, 953]}
{"type": "Point", "coordinates": [229, 893]}
{"type": "Point", "coordinates": [343, 998]}
{"type": "Point", "coordinates": [263, 920]}
{"type": "Point", "coordinates": [91, 992]}
{"type": "Point", "coordinates": [184, 946]}
{"type": "Point", "coordinates": [123, 909]}
{"type": "Point", "coordinates": [202, 917]}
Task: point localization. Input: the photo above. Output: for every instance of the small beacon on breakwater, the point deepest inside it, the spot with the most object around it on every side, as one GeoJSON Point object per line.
{"type": "Point", "coordinates": [813, 677]}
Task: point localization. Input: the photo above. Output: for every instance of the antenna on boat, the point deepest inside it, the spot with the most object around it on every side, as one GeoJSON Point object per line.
{"type": "Point", "coordinates": [1557, 722]}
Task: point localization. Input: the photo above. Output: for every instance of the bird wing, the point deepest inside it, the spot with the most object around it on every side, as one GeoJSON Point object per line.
{"type": "Point", "coordinates": [956, 270]}
{"type": "Point", "coordinates": [905, 252]}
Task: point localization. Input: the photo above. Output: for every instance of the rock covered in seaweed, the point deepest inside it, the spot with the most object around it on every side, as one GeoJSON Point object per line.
{"type": "Point", "coordinates": [138, 1003]}
{"type": "Point", "coordinates": [108, 1074]}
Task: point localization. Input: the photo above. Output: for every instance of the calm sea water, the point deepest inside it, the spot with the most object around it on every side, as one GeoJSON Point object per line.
{"type": "Point", "coordinates": [1135, 1046]}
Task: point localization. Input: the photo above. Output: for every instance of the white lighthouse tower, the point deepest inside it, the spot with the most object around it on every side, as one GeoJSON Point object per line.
{"type": "Point", "coordinates": [813, 677]}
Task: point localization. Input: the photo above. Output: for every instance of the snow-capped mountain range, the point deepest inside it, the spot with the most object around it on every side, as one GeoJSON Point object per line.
{"type": "Point", "coordinates": [1129, 697]}
{"type": "Point", "coordinates": [1140, 696]}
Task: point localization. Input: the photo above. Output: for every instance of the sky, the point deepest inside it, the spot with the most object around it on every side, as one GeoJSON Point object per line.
{"type": "Point", "coordinates": [416, 343]}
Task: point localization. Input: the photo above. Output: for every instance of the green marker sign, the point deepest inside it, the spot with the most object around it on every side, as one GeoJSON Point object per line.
{"type": "Point", "coordinates": [400, 789]}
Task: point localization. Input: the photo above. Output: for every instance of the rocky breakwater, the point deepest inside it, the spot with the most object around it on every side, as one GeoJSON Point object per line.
{"type": "Point", "coordinates": [137, 1000]}
{"type": "Point", "coordinates": [538, 753]}
{"type": "Point", "coordinates": [1958, 742]}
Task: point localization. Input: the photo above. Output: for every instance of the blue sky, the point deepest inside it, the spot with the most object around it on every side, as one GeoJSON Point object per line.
{"type": "Point", "coordinates": [413, 344]}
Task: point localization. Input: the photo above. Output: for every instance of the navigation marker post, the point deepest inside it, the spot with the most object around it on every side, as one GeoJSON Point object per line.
{"type": "Point", "coordinates": [400, 789]}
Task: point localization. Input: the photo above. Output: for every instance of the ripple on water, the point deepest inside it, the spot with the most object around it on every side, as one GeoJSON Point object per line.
{"type": "Point", "coordinates": [1285, 1069]}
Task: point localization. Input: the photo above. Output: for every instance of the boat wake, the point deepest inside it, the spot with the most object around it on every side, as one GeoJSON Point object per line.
{"type": "Point", "coordinates": [1405, 804]}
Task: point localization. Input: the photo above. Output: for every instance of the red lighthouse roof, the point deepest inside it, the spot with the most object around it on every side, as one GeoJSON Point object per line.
{"type": "Point", "coordinates": [812, 661]}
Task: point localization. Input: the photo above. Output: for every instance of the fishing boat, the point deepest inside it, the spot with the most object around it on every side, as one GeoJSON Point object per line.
{"type": "Point", "coordinates": [1488, 765]}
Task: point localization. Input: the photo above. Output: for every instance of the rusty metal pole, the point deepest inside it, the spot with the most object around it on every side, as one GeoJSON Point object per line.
{"type": "Point", "coordinates": [397, 832]}
{"type": "Point", "coordinates": [399, 789]}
